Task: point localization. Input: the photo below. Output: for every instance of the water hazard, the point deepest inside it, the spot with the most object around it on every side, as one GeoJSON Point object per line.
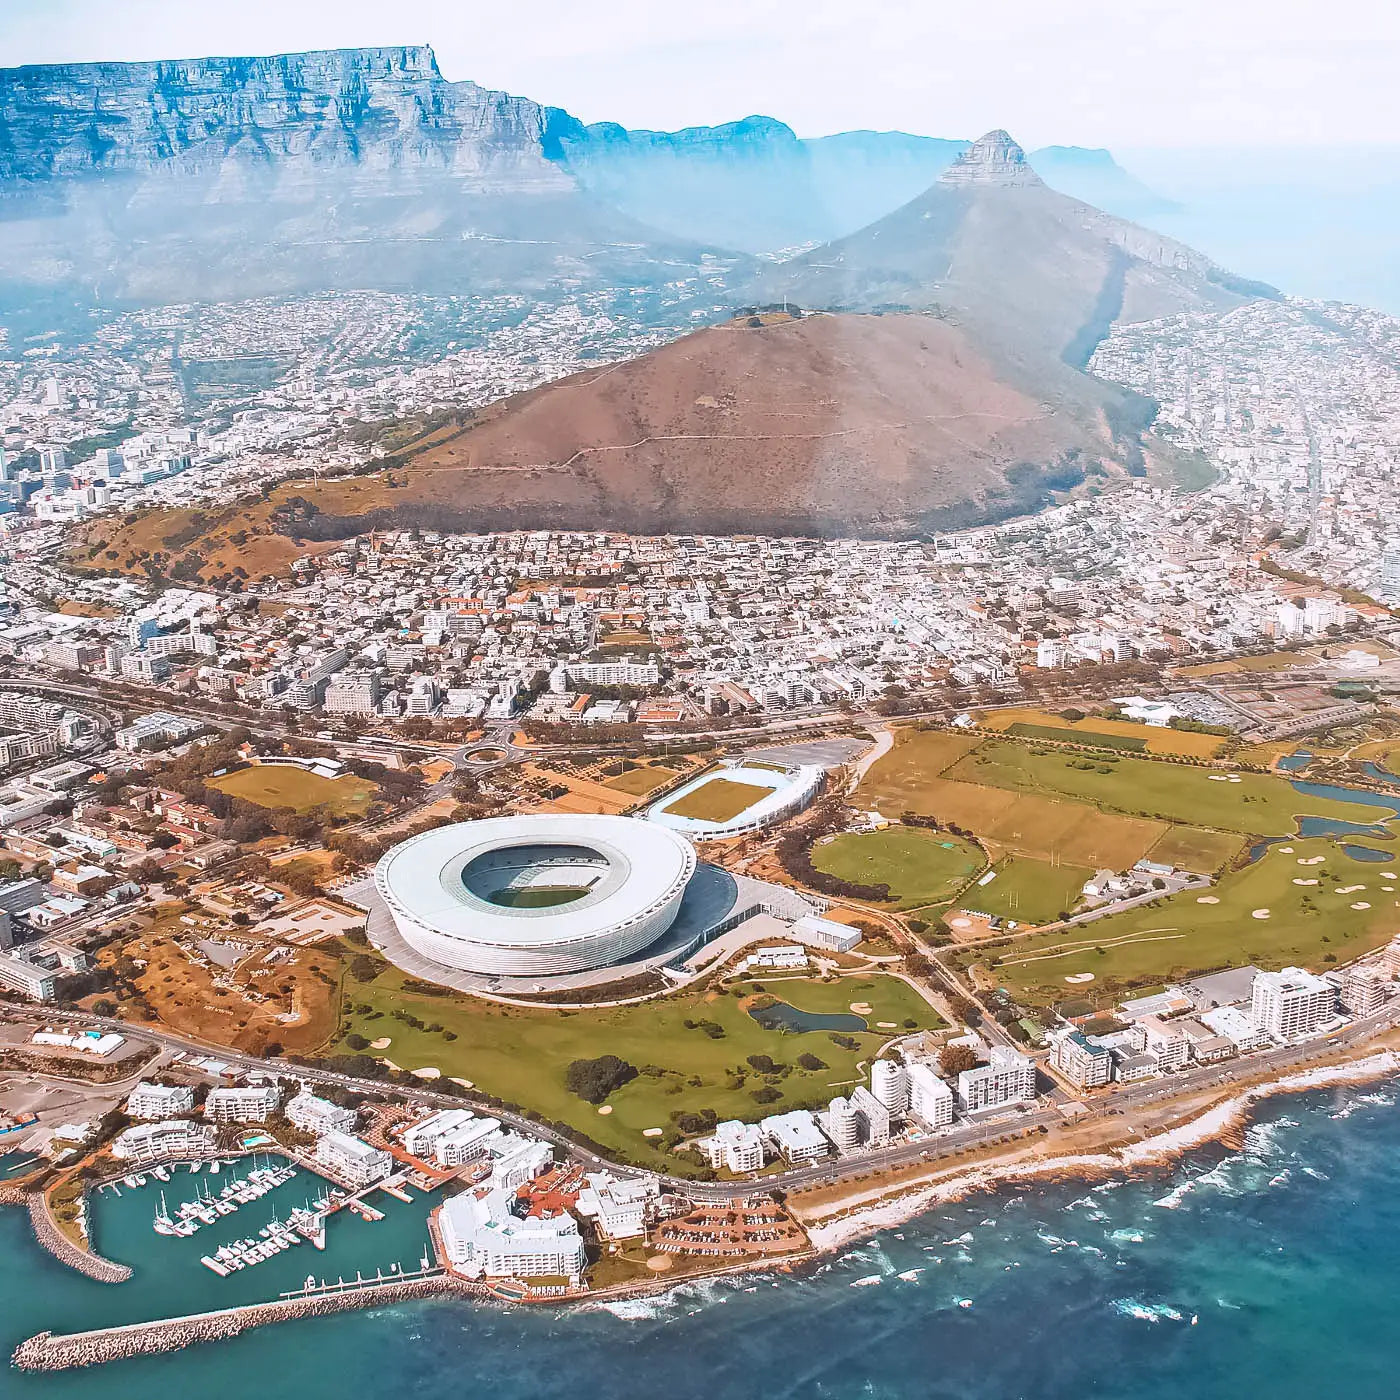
{"type": "Point", "coordinates": [782, 1017]}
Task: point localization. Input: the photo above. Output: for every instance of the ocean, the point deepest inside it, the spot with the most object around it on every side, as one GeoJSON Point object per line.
{"type": "Point", "coordinates": [1270, 1270]}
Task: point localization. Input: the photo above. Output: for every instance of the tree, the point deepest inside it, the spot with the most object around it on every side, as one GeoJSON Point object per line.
{"type": "Point", "coordinates": [593, 1080]}
{"type": "Point", "coordinates": [953, 1059]}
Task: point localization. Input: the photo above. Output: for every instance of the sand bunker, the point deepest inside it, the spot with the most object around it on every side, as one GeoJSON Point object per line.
{"type": "Point", "coordinates": [1076, 979]}
{"type": "Point", "coordinates": [1304, 882]}
{"type": "Point", "coordinates": [1360, 904]}
{"type": "Point", "coordinates": [652, 1132]}
{"type": "Point", "coordinates": [383, 1043]}
{"type": "Point", "coordinates": [1349, 889]}
{"type": "Point", "coordinates": [1311, 860]}
{"type": "Point", "coordinates": [1260, 914]}
{"type": "Point", "coordinates": [465, 1083]}
{"type": "Point", "coordinates": [1217, 777]}
{"type": "Point", "coordinates": [1207, 899]}
{"type": "Point", "coordinates": [887, 1025]}
{"type": "Point", "coordinates": [606, 1109]}
{"type": "Point", "coordinates": [1285, 850]}
{"type": "Point", "coordinates": [862, 1008]}
{"type": "Point", "coordinates": [428, 1072]}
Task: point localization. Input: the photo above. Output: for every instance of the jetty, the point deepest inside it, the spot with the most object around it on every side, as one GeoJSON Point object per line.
{"type": "Point", "coordinates": [49, 1351]}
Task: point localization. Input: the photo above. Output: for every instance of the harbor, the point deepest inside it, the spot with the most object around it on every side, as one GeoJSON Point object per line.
{"type": "Point", "coordinates": [258, 1229]}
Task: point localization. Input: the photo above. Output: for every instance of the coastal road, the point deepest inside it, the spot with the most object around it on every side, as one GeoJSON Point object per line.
{"type": "Point", "coordinates": [929, 1149]}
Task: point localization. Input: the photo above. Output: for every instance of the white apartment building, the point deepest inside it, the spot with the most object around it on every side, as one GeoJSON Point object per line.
{"type": "Point", "coordinates": [1165, 1042]}
{"type": "Point", "coordinates": [353, 693]}
{"type": "Point", "coordinates": [1237, 1026]}
{"type": "Point", "coordinates": [737, 1146]}
{"type": "Point", "coordinates": [159, 1100]}
{"type": "Point", "coordinates": [1291, 1003]}
{"type": "Point", "coordinates": [617, 1205]}
{"type": "Point", "coordinates": [796, 1136]}
{"type": "Point", "coordinates": [482, 1237]}
{"type": "Point", "coordinates": [316, 1115]}
{"type": "Point", "coordinates": [930, 1096]}
{"type": "Point", "coordinates": [251, 1105]}
{"type": "Point", "coordinates": [157, 1142]}
{"type": "Point", "coordinates": [873, 1116]}
{"type": "Point", "coordinates": [1008, 1078]}
{"type": "Point", "coordinates": [889, 1082]}
{"type": "Point", "coordinates": [615, 673]}
{"type": "Point", "coordinates": [352, 1159]}
{"type": "Point", "coordinates": [1082, 1062]}
{"type": "Point", "coordinates": [842, 1124]}
{"type": "Point", "coordinates": [1366, 989]}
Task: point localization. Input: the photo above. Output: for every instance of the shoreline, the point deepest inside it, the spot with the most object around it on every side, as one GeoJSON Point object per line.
{"type": "Point", "coordinates": [827, 1234]}
{"type": "Point", "coordinates": [1212, 1124]}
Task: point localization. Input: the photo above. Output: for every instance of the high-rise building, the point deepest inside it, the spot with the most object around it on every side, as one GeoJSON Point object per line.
{"type": "Point", "coordinates": [1008, 1078]}
{"type": "Point", "coordinates": [737, 1146]}
{"type": "Point", "coordinates": [889, 1082]}
{"type": "Point", "coordinates": [930, 1095]}
{"type": "Point", "coordinates": [873, 1116]}
{"type": "Point", "coordinates": [1365, 989]}
{"type": "Point", "coordinates": [1291, 1003]}
{"type": "Point", "coordinates": [1083, 1062]}
{"type": "Point", "coordinates": [842, 1124]}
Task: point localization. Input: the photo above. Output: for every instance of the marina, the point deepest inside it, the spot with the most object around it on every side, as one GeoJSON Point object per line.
{"type": "Point", "coordinates": [188, 1255]}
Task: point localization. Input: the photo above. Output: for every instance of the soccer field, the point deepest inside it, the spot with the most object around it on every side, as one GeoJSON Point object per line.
{"type": "Point", "coordinates": [282, 785]}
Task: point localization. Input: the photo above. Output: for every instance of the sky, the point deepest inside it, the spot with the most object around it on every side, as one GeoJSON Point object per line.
{"type": "Point", "coordinates": [1120, 73]}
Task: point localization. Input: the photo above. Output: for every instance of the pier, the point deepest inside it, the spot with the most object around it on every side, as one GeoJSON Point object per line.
{"type": "Point", "coordinates": [313, 1290]}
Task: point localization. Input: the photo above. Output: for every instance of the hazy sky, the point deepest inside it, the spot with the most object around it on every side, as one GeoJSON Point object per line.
{"type": "Point", "coordinates": [1121, 73]}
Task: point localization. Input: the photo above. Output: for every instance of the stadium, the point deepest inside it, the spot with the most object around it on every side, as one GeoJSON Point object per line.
{"type": "Point", "coordinates": [738, 798]}
{"type": "Point", "coordinates": [532, 896]}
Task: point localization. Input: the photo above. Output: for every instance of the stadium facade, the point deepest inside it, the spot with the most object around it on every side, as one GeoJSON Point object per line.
{"type": "Point", "coordinates": [540, 895]}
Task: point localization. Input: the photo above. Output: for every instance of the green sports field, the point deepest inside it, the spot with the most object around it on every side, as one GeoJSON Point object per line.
{"type": "Point", "coordinates": [1028, 891]}
{"type": "Point", "coordinates": [719, 800]}
{"type": "Point", "coordinates": [920, 867]}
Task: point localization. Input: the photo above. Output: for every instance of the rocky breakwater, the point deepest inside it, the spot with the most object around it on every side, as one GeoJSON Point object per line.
{"type": "Point", "coordinates": [47, 1351]}
{"type": "Point", "coordinates": [63, 1249]}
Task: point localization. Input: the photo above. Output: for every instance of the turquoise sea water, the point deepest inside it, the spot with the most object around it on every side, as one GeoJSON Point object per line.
{"type": "Point", "coordinates": [1270, 1271]}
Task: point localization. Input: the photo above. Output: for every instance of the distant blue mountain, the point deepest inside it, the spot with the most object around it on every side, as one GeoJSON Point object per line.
{"type": "Point", "coordinates": [754, 185]}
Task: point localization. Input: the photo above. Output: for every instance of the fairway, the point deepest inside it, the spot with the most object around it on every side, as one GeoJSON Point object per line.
{"type": "Point", "coordinates": [895, 783]}
{"type": "Point", "coordinates": [282, 785]}
{"type": "Point", "coordinates": [1147, 947]}
{"type": "Point", "coordinates": [719, 800]}
{"type": "Point", "coordinates": [1195, 849]}
{"type": "Point", "coordinates": [521, 1054]}
{"type": "Point", "coordinates": [920, 867]}
{"type": "Point", "coordinates": [1255, 803]}
{"type": "Point", "coordinates": [1039, 826]}
{"type": "Point", "coordinates": [1094, 730]}
{"type": "Point", "coordinates": [1091, 738]}
{"type": "Point", "coordinates": [1029, 891]}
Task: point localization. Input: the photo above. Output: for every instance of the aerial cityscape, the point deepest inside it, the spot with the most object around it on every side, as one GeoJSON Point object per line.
{"type": "Point", "coordinates": [699, 722]}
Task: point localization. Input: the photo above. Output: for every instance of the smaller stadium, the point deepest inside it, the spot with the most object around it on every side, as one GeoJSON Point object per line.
{"type": "Point", "coordinates": [737, 798]}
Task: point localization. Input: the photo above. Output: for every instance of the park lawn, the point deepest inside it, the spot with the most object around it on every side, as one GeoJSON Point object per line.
{"type": "Point", "coordinates": [1385, 753]}
{"type": "Point", "coordinates": [1257, 803]}
{"type": "Point", "coordinates": [1100, 732]}
{"type": "Point", "coordinates": [1270, 661]}
{"type": "Point", "coordinates": [1196, 849]}
{"type": "Point", "coordinates": [920, 867]}
{"type": "Point", "coordinates": [718, 800]}
{"type": "Point", "coordinates": [896, 781]}
{"type": "Point", "coordinates": [1041, 827]}
{"type": "Point", "coordinates": [1028, 891]}
{"type": "Point", "coordinates": [521, 1054]}
{"type": "Point", "coordinates": [279, 785]}
{"type": "Point", "coordinates": [1179, 936]}
{"type": "Point", "coordinates": [640, 781]}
